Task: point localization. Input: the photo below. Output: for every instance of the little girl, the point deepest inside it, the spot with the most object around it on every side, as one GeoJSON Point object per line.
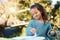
{"type": "Point", "coordinates": [39, 25]}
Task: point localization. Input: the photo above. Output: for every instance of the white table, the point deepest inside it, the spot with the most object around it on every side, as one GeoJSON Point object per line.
{"type": "Point", "coordinates": [1, 38]}
{"type": "Point", "coordinates": [24, 38]}
{"type": "Point", "coordinates": [28, 38]}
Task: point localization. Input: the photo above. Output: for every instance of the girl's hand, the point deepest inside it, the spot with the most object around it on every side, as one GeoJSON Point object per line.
{"type": "Point", "coordinates": [33, 30]}
{"type": "Point", "coordinates": [52, 33]}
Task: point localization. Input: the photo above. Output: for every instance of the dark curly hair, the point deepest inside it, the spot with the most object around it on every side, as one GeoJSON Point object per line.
{"type": "Point", "coordinates": [40, 8]}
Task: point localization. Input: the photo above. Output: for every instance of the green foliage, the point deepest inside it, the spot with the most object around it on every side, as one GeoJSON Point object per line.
{"type": "Point", "coordinates": [23, 15]}
{"type": "Point", "coordinates": [25, 3]}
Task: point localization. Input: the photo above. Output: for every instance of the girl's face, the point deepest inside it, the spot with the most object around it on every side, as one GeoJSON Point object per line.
{"type": "Point", "coordinates": [36, 13]}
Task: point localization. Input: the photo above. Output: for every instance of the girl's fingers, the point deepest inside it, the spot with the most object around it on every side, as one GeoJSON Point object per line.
{"type": "Point", "coordinates": [33, 30]}
{"type": "Point", "coordinates": [52, 32]}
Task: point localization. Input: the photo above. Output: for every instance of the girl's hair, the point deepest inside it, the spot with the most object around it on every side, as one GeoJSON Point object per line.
{"type": "Point", "coordinates": [41, 9]}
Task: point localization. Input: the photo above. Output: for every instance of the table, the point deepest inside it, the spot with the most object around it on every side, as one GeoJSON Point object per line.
{"type": "Point", "coordinates": [24, 38]}
{"type": "Point", "coordinates": [28, 38]}
{"type": "Point", "coordinates": [1, 38]}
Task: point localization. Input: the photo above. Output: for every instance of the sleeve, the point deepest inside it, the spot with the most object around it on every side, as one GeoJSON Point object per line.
{"type": "Point", "coordinates": [29, 26]}
{"type": "Point", "coordinates": [48, 33]}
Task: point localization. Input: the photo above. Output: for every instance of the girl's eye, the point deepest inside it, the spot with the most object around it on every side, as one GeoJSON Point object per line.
{"type": "Point", "coordinates": [32, 14]}
{"type": "Point", "coordinates": [36, 12]}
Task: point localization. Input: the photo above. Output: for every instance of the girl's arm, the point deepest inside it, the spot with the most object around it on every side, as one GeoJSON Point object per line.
{"type": "Point", "coordinates": [51, 34]}
{"type": "Point", "coordinates": [29, 27]}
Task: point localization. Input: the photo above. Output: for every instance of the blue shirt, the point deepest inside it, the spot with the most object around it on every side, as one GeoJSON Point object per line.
{"type": "Point", "coordinates": [41, 28]}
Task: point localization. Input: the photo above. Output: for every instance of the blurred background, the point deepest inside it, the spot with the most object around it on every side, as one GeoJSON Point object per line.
{"type": "Point", "coordinates": [15, 15]}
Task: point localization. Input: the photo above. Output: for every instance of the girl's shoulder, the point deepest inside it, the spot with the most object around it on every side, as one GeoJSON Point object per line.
{"type": "Point", "coordinates": [48, 22]}
{"type": "Point", "coordinates": [33, 20]}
